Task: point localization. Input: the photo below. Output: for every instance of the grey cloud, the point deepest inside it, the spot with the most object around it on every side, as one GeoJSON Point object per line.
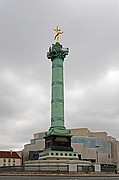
{"type": "Point", "coordinates": [26, 32]}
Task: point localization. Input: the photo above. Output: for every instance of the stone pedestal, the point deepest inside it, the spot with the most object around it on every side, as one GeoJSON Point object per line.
{"type": "Point", "coordinates": [58, 143]}
{"type": "Point", "coordinates": [53, 155]}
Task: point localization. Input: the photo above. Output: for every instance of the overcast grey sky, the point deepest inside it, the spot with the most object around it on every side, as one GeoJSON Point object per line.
{"type": "Point", "coordinates": [91, 32]}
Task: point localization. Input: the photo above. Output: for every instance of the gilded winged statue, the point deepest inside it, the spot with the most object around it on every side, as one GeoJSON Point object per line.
{"type": "Point", "coordinates": [58, 33]}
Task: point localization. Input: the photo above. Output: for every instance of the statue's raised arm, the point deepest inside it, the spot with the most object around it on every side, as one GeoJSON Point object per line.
{"type": "Point", "coordinates": [58, 33]}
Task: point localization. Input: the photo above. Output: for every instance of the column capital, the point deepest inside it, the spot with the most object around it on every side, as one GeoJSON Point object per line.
{"type": "Point", "coordinates": [57, 51]}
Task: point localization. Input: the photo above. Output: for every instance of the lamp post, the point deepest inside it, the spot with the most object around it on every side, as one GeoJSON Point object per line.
{"type": "Point", "coordinates": [97, 146]}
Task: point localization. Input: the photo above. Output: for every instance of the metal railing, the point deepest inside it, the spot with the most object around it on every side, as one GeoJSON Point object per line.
{"type": "Point", "coordinates": [85, 169]}
{"type": "Point", "coordinates": [35, 168]}
{"type": "Point", "coordinates": [108, 168]}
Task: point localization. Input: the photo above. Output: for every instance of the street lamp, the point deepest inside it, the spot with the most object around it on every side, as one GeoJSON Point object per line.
{"type": "Point", "coordinates": [97, 146]}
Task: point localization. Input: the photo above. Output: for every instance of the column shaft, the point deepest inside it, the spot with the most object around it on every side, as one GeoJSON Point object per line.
{"type": "Point", "coordinates": [57, 102]}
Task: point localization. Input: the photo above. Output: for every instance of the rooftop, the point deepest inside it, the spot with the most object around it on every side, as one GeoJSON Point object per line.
{"type": "Point", "coordinates": [9, 154]}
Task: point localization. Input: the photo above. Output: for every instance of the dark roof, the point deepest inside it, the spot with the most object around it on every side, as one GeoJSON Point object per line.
{"type": "Point", "coordinates": [9, 154]}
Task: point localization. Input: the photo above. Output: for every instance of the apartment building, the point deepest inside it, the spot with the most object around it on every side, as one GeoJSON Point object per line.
{"type": "Point", "coordinates": [9, 158]}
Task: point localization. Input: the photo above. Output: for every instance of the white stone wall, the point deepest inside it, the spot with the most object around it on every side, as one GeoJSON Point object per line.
{"type": "Point", "coordinates": [97, 167]}
{"type": "Point", "coordinates": [90, 153]}
{"type": "Point", "coordinates": [10, 162]}
{"type": "Point", "coordinates": [39, 145]}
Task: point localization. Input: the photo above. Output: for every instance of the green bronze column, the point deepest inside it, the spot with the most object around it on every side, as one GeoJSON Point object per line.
{"type": "Point", "coordinates": [57, 55]}
{"type": "Point", "coordinates": [57, 103]}
{"type": "Point", "coordinates": [57, 137]}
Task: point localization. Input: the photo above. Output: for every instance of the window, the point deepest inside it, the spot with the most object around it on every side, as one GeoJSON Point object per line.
{"type": "Point", "coordinates": [13, 164]}
{"type": "Point", "coordinates": [4, 160]}
{"type": "Point", "coordinates": [13, 160]}
{"type": "Point", "coordinates": [9, 160]}
{"type": "Point", "coordinates": [4, 164]}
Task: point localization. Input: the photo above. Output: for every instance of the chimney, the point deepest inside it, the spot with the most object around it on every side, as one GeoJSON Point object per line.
{"type": "Point", "coordinates": [11, 152]}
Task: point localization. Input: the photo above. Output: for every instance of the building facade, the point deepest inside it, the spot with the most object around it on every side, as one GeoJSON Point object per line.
{"type": "Point", "coordinates": [96, 147]}
{"type": "Point", "coordinates": [9, 158]}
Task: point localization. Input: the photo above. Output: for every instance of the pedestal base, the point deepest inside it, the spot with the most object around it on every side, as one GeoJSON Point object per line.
{"type": "Point", "coordinates": [58, 143]}
{"type": "Point", "coordinates": [58, 139]}
{"type": "Point", "coordinates": [58, 155]}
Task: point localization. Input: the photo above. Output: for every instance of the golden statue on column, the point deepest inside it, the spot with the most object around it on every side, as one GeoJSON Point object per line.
{"type": "Point", "coordinates": [58, 33]}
